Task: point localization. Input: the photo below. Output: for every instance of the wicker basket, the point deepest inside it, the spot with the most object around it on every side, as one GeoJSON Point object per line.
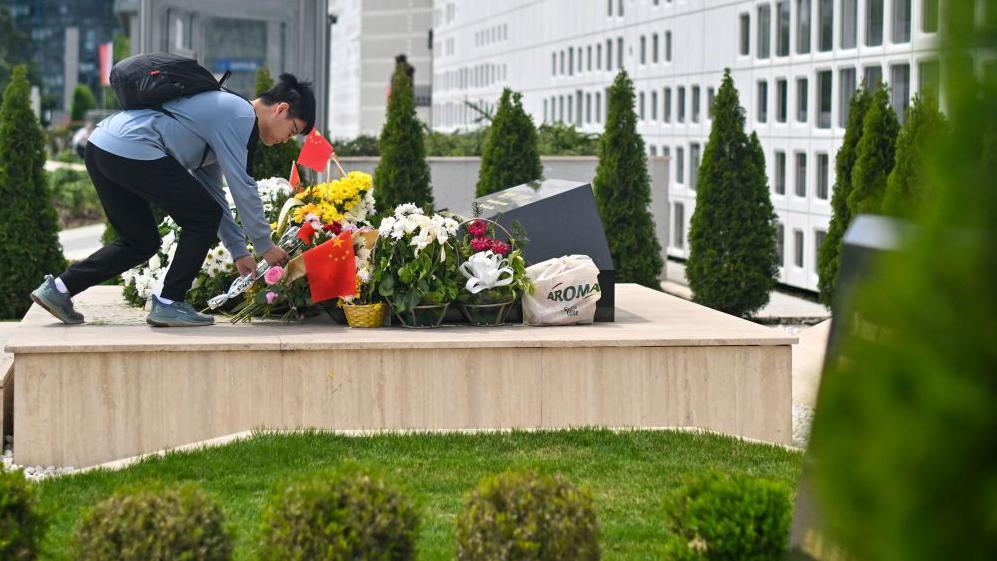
{"type": "Point", "coordinates": [364, 315]}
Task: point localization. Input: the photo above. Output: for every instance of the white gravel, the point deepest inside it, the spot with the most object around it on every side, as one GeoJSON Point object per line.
{"type": "Point", "coordinates": [32, 473]}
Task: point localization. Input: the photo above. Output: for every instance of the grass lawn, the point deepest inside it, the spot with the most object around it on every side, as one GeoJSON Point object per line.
{"type": "Point", "coordinates": [628, 474]}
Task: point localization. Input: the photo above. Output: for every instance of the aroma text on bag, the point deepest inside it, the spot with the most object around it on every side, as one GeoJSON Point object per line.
{"type": "Point", "coordinates": [565, 291]}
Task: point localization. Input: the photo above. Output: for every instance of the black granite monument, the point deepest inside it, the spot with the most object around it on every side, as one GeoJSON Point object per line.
{"type": "Point", "coordinates": [560, 218]}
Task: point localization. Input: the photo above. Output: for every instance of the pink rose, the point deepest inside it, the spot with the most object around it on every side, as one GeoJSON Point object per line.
{"type": "Point", "coordinates": [273, 275]}
{"type": "Point", "coordinates": [271, 297]}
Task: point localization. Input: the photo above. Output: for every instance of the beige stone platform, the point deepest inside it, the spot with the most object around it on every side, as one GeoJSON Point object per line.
{"type": "Point", "coordinates": [116, 388]}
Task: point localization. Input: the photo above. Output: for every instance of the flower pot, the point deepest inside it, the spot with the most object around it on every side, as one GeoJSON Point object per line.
{"type": "Point", "coordinates": [485, 314]}
{"type": "Point", "coordinates": [430, 315]}
{"type": "Point", "coordinates": [364, 315]}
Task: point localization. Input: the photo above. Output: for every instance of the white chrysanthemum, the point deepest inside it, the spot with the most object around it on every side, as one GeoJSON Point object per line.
{"type": "Point", "coordinates": [155, 263]}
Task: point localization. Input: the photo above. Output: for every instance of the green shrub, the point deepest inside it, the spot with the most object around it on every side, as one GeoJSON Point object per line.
{"type": "Point", "coordinates": [527, 517]}
{"type": "Point", "coordinates": [623, 191]}
{"type": "Point", "coordinates": [560, 139]}
{"type": "Point", "coordinates": [733, 257]}
{"type": "Point", "coordinates": [874, 156]}
{"type": "Point", "coordinates": [154, 525]}
{"type": "Point", "coordinates": [402, 175]}
{"type": "Point", "coordinates": [83, 101]}
{"type": "Point", "coordinates": [907, 187]}
{"type": "Point", "coordinates": [74, 197]}
{"type": "Point", "coordinates": [276, 160]}
{"type": "Point", "coordinates": [510, 154]}
{"type": "Point", "coordinates": [363, 145]}
{"type": "Point", "coordinates": [347, 515]}
{"type": "Point", "coordinates": [457, 143]}
{"type": "Point", "coordinates": [21, 525]}
{"type": "Point", "coordinates": [29, 243]}
{"type": "Point", "coordinates": [715, 517]}
{"type": "Point", "coordinates": [829, 255]}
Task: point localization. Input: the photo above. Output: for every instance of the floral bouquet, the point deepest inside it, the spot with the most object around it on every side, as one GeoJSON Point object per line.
{"type": "Point", "coordinates": [415, 265]}
{"type": "Point", "coordinates": [495, 272]}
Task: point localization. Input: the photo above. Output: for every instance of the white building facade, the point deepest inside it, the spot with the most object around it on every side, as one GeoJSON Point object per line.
{"type": "Point", "coordinates": [794, 62]}
{"type": "Point", "coordinates": [364, 39]}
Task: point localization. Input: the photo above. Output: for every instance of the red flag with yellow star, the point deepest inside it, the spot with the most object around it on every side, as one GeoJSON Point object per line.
{"type": "Point", "coordinates": [316, 152]}
{"type": "Point", "coordinates": [331, 268]}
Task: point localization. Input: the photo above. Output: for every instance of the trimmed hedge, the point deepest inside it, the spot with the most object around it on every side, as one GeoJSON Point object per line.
{"type": "Point", "coordinates": [510, 155]}
{"type": "Point", "coordinates": [21, 525]}
{"type": "Point", "coordinates": [349, 515]}
{"type": "Point", "coordinates": [719, 518]}
{"type": "Point", "coordinates": [154, 525]}
{"type": "Point", "coordinates": [527, 517]}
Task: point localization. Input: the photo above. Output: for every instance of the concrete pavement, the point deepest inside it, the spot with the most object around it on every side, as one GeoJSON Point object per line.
{"type": "Point", "coordinates": [79, 243]}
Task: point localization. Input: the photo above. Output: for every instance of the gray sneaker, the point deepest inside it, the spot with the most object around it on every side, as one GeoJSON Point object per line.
{"type": "Point", "coordinates": [56, 303]}
{"type": "Point", "coordinates": [177, 314]}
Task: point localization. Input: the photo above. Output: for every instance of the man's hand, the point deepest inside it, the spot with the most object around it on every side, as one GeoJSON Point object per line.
{"type": "Point", "coordinates": [245, 265]}
{"type": "Point", "coordinates": [276, 256]}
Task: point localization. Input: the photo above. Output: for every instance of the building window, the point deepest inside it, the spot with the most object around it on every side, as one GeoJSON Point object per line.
{"type": "Point", "coordinates": [798, 243]}
{"type": "Point", "coordinates": [927, 78]}
{"type": "Point", "coordinates": [561, 71]}
{"type": "Point", "coordinates": [801, 174]}
{"type": "Point", "coordinates": [693, 164]}
{"type": "Point", "coordinates": [929, 16]}
{"type": "Point", "coordinates": [803, 26]}
{"type": "Point", "coordinates": [823, 175]}
{"type": "Point", "coordinates": [763, 101]}
{"type": "Point", "coordinates": [679, 164]}
{"type": "Point", "coordinates": [901, 21]}
{"type": "Point", "coordinates": [560, 108]}
{"type": "Point", "coordinates": [598, 107]}
{"type": "Point", "coordinates": [619, 51]}
{"type": "Point", "coordinates": [571, 62]}
{"type": "Point", "coordinates": [695, 104]}
{"type": "Point", "coordinates": [873, 23]}
{"type": "Point", "coordinates": [553, 64]}
{"type": "Point", "coordinates": [667, 100]}
{"type": "Point", "coordinates": [545, 110]}
{"type": "Point", "coordinates": [780, 172]}
{"type": "Point", "coordinates": [825, 25]}
{"type": "Point", "coordinates": [681, 104]}
{"type": "Point", "coordinates": [711, 94]}
{"type": "Point", "coordinates": [780, 243]}
{"type": "Point", "coordinates": [679, 225]}
{"type": "Point", "coordinates": [609, 8]}
{"type": "Point", "coordinates": [846, 87]}
{"type": "Point", "coordinates": [578, 104]}
{"type": "Point", "coordinates": [764, 30]}
{"type": "Point", "coordinates": [619, 7]}
{"type": "Point", "coordinates": [609, 54]}
{"type": "Point", "coordinates": [872, 76]}
{"type": "Point", "coordinates": [782, 28]}
{"type": "Point", "coordinates": [588, 58]}
{"type": "Point", "coordinates": [781, 100]}
{"type": "Point", "coordinates": [668, 46]}
{"type": "Point", "coordinates": [824, 84]}
{"type": "Point", "coordinates": [579, 59]}
{"type": "Point", "coordinates": [745, 34]}
{"type": "Point", "coordinates": [654, 48]}
{"type": "Point", "coordinates": [819, 236]}
{"type": "Point", "coordinates": [640, 106]}
{"type": "Point", "coordinates": [652, 150]}
{"type": "Point", "coordinates": [588, 108]}
{"type": "Point", "coordinates": [654, 105]}
{"type": "Point", "coordinates": [643, 49]}
{"type": "Point", "coordinates": [900, 89]}
{"type": "Point", "coordinates": [598, 56]}
{"type": "Point", "coordinates": [849, 25]}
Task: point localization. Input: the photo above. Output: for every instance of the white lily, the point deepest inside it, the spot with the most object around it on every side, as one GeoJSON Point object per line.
{"type": "Point", "coordinates": [486, 270]}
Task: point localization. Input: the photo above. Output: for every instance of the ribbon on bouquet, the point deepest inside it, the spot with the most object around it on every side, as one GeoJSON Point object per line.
{"type": "Point", "coordinates": [289, 241]}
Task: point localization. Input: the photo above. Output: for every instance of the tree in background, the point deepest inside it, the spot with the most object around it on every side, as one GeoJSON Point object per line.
{"type": "Point", "coordinates": [510, 155]}
{"type": "Point", "coordinates": [83, 101]}
{"type": "Point", "coordinates": [276, 160]}
{"type": "Point", "coordinates": [874, 156]}
{"type": "Point", "coordinates": [402, 176]}
{"type": "Point", "coordinates": [623, 191]}
{"type": "Point", "coordinates": [907, 188]}
{"type": "Point", "coordinates": [15, 48]}
{"type": "Point", "coordinates": [29, 243]}
{"type": "Point", "coordinates": [733, 257]}
{"type": "Point", "coordinates": [903, 441]}
{"type": "Point", "coordinates": [829, 255]}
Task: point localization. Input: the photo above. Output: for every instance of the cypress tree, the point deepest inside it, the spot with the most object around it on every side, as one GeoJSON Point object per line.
{"type": "Point", "coordinates": [510, 156]}
{"type": "Point", "coordinates": [276, 160]}
{"type": "Point", "coordinates": [906, 187]}
{"type": "Point", "coordinates": [402, 176]}
{"type": "Point", "coordinates": [29, 243]}
{"type": "Point", "coordinates": [83, 101]}
{"type": "Point", "coordinates": [875, 156]}
{"type": "Point", "coordinates": [733, 256]}
{"type": "Point", "coordinates": [829, 255]}
{"type": "Point", "coordinates": [623, 191]}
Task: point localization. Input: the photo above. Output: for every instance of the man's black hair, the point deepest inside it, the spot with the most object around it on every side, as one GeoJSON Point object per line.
{"type": "Point", "coordinates": [298, 95]}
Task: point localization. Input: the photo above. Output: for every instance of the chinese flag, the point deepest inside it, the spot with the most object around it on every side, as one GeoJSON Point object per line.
{"type": "Point", "coordinates": [316, 152]}
{"type": "Point", "coordinates": [331, 269]}
{"type": "Point", "coordinates": [295, 179]}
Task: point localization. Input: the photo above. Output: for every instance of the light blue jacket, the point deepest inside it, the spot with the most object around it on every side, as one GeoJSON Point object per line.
{"type": "Point", "coordinates": [221, 122]}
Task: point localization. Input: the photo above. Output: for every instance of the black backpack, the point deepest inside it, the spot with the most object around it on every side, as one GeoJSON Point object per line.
{"type": "Point", "coordinates": [147, 81]}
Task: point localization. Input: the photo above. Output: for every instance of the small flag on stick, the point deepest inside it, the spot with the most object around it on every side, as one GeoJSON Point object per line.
{"type": "Point", "coordinates": [295, 180]}
{"type": "Point", "coordinates": [316, 152]}
{"type": "Point", "coordinates": [106, 57]}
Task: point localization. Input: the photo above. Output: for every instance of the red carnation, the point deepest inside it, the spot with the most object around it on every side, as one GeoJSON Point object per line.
{"type": "Point", "coordinates": [499, 248]}
{"type": "Point", "coordinates": [481, 244]}
{"type": "Point", "coordinates": [477, 228]}
{"type": "Point", "coordinates": [335, 228]}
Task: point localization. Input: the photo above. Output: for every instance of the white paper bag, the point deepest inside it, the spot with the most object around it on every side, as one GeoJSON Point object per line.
{"type": "Point", "coordinates": [565, 291]}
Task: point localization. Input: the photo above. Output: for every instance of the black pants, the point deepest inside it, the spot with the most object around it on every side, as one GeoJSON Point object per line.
{"type": "Point", "coordinates": [126, 187]}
